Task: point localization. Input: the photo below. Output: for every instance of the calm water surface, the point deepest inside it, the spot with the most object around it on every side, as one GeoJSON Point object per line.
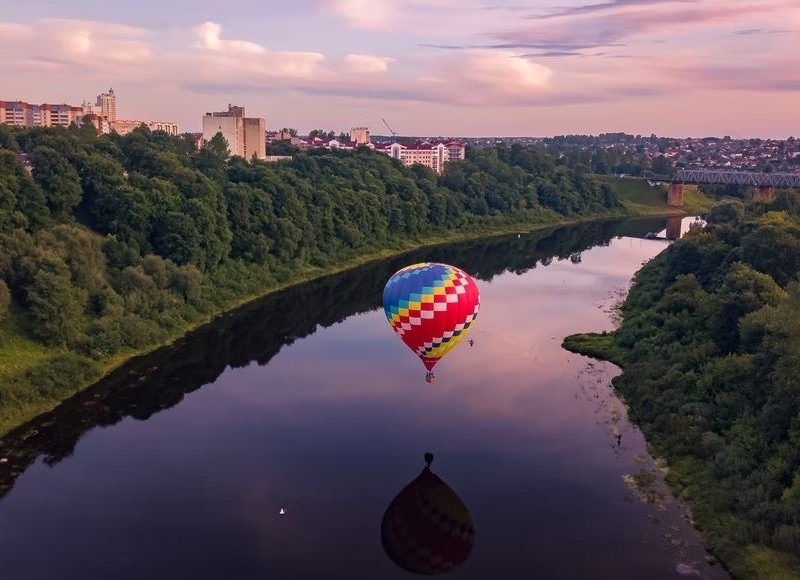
{"type": "Point", "coordinates": [177, 465]}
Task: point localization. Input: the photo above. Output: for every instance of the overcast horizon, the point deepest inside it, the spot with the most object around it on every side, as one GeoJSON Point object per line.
{"type": "Point", "coordinates": [679, 68]}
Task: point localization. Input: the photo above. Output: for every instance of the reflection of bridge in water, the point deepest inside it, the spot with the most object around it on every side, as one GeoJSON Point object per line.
{"type": "Point", "coordinates": [764, 183]}
{"type": "Point", "coordinates": [673, 229]}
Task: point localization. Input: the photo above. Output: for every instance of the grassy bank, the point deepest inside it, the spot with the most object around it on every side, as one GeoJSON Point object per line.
{"type": "Point", "coordinates": [36, 378]}
{"type": "Point", "coordinates": [642, 199]}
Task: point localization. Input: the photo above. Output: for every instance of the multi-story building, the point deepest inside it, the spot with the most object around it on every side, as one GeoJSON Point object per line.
{"type": "Point", "coordinates": [100, 123]}
{"type": "Point", "coordinates": [246, 136]}
{"type": "Point", "coordinates": [14, 113]}
{"type": "Point", "coordinates": [255, 132]}
{"type": "Point", "coordinates": [25, 114]}
{"type": "Point", "coordinates": [107, 105]}
{"type": "Point", "coordinates": [123, 127]}
{"type": "Point", "coordinates": [103, 115]}
{"type": "Point", "coordinates": [433, 155]}
{"type": "Point", "coordinates": [360, 135]}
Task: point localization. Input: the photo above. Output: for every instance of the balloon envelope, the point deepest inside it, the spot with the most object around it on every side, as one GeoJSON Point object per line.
{"type": "Point", "coordinates": [431, 307]}
{"type": "Point", "coordinates": [427, 529]}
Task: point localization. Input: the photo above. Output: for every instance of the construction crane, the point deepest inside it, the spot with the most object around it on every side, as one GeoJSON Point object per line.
{"type": "Point", "coordinates": [388, 127]}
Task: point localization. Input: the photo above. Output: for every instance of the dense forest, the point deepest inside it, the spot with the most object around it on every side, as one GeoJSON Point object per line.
{"type": "Point", "coordinates": [710, 346]}
{"type": "Point", "coordinates": [110, 244]}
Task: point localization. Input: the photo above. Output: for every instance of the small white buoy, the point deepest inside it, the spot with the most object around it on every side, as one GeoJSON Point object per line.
{"type": "Point", "coordinates": [281, 512]}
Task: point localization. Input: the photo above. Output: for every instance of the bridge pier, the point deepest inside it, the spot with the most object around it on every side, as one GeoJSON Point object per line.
{"type": "Point", "coordinates": [763, 193]}
{"type": "Point", "coordinates": [675, 194]}
{"type": "Point", "coordinates": [674, 228]}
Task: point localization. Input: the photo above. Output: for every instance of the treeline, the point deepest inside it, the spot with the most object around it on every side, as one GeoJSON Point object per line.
{"type": "Point", "coordinates": [710, 346]}
{"type": "Point", "coordinates": [115, 243]}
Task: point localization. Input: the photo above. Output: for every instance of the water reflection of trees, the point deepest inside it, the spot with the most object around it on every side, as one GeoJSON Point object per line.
{"type": "Point", "coordinates": [258, 331]}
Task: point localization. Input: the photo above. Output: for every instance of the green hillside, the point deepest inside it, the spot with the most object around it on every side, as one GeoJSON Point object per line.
{"type": "Point", "coordinates": [641, 198]}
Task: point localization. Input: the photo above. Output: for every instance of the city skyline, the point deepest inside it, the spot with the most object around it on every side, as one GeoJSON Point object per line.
{"type": "Point", "coordinates": [430, 67]}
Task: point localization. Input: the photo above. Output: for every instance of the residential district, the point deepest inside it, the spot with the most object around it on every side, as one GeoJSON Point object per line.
{"type": "Point", "coordinates": [249, 137]}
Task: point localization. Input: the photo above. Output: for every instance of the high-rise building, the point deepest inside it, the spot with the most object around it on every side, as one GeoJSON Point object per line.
{"type": "Point", "coordinates": [246, 136]}
{"type": "Point", "coordinates": [255, 133]}
{"type": "Point", "coordinates": [107, 105]}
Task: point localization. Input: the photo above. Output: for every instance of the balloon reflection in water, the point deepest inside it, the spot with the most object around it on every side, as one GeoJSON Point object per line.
{"type": "Point", "coordinates": [431, 307]}
{"type": "Point", "coordinates": [427, 529]}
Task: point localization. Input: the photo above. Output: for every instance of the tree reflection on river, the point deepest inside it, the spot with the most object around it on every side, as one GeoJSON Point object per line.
{"type": "Point", "coordinates": [531, 436]}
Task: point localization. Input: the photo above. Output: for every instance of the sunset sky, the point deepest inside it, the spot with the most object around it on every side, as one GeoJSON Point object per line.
{"type": "Point", "coordinates": [430, 67]}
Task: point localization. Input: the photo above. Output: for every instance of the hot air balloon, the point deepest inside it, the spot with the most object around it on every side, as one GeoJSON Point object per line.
{"type": "Point", "coordinates": [427, 529]}
{"type": "Point", "coordinates": [432, 307]}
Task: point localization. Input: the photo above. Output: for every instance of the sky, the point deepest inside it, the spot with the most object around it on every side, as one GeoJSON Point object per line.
{"type": "Point", "coordinates": [429, 67]}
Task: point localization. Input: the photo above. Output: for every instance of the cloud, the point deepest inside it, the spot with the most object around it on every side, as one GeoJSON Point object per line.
{"type": "Point", "coordinates": [370, 14]}
{"type": "Point", "coordinates": [75, 41]}
{"type": "Point", "coordinates": [616, 23]}
{"type": "Point", "coordinates": [411, 17]}
{"type": "Point", "coordinates": [750, 31]}
{"type": "Point", "coordinates": [602, 7]}
{"type": "Point", "coordinates": [209, 38]}
{"type": "Point", "coordinates": [367, 64]}
{"type": "Point", "coordinates": [501, 72]}
{"type": "Point", "coordinates": [11, 33]}
{"type": "Point", "coordinates": [777, 76]}
{"type": "Point", "coordinates": [552, 54]}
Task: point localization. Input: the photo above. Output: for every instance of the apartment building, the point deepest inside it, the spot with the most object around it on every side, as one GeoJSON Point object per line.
{"type": "Point", "coordinates": [123, 127]}
{"type": "Point", "coordinates": [24, 114]}
{"type": "Point", "coordinates": [246, 136]}
{"type": "Point", "coordinates": [433, 155]}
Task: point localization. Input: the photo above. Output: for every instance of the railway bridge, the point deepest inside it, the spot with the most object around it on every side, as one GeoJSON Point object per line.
{"type": "Point", "coordinates": [764, 183]}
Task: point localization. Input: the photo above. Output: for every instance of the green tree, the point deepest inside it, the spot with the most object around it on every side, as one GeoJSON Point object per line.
{"type": "Point", "coordinates": [28, 198]}
{"type": "Point", "coordinates": [726, 212]}
{"type": "Point", "coordinates": [282, 148]}
{"type": "Point", "coordinates": [773, 247]}
{"type": "Point", "coordinates": [660, 165]}
{"type": "Point", "coordinates": [58, 179]}
{"type": "Point", "coordinates": [212, 157]}
{"type": "Point", "coordinates": [56, 305]}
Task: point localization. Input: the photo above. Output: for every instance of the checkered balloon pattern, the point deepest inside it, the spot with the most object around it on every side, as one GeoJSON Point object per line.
{"type": "Point", "coordinates": [431, 307]}
{"type": "Point", "coordinates": [427, 529]}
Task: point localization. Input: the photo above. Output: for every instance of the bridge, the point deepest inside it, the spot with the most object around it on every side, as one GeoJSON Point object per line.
{"type": "Point", "coordinates": [763, 182]}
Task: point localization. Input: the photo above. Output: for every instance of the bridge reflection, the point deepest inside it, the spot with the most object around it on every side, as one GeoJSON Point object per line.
{"type": "Point", "coordinates": [675, 228]}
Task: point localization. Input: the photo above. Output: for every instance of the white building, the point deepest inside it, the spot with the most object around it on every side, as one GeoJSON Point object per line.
{"type": "Point", "coordinates": [245, 136]}
{"type": "Point", "coordinates": [433, 155]}
{"type": "Point", "coordinates": [123, 127]}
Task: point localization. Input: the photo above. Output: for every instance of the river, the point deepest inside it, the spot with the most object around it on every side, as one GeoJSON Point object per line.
{"type": "Point", "coordinates": [269, 443]}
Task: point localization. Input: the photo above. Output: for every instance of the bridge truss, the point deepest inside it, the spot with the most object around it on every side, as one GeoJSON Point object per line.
{"type": "Point", "coordinates": [712, 177]}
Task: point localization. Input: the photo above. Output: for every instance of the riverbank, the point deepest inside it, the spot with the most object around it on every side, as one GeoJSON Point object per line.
{"type": "Point", "coordinates": [664, 348]}
{"type": "Point", "coordinates": [38, 378]}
